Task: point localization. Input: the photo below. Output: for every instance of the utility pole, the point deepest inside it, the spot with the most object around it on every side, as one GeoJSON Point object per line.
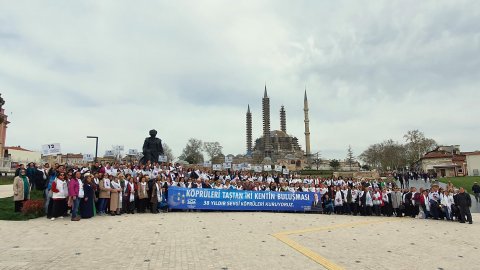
{"type": "Point", "coordinates": [96, 145]}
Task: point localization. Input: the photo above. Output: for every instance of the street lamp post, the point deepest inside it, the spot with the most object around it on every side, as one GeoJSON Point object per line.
{"type": "Point", "coordinates": [96, 145]}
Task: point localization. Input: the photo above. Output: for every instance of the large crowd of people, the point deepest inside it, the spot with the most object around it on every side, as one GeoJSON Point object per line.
{"type": "Point", "coordinates": [115, 189]}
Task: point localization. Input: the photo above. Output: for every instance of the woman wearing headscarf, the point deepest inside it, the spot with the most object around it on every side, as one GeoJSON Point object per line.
{"type": "Point", "coordinates": [21, 190]}
{"type": "Point", "coordinates": [87, 204]}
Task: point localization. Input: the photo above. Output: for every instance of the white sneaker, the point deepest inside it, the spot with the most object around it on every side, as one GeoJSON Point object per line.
{"type": "Point", "coordinates": [61, 217]}
{"type": "Point", "coordinates": [52, 219]}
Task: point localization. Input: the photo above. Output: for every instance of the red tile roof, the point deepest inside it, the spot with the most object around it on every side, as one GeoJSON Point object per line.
{"type": "Point", "coordinates": [16, 148]}
{"type": "Point", "coordinates": [437, 154]}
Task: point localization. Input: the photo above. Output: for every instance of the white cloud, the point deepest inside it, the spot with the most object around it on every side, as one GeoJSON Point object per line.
{"type": "Point", "coordinates": [189, 69]}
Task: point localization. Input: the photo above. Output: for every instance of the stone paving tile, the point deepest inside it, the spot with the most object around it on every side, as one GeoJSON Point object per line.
{"type": "Point", "coordinates": [143, 241]}
{"type": "Point", "coordinates": [180, 240]}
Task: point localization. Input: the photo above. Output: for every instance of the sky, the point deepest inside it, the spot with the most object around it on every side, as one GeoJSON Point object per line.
{"type": "Point", "coordinates": [116, 69]}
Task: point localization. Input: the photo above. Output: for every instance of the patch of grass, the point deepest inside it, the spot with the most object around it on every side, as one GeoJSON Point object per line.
{"type": "Point", "coordinates": [465, 182]}
{"type": "Point", "coordinates": [7, 207]}
{"type": "Point", "coordinates": [6, 180]}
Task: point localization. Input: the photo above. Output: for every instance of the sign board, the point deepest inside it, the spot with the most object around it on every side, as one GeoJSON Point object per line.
{"type": "Point", "coordinates": [236, 167]}
{"type": "Point", "coordinates": [217, 167]}
{"type": "Point", "coordinates": [118, 148]}
{"type": "Point", "coordinates": [247, 167]}
{"type": "Point", "coordinates": [132, 152]}
{"type": "Point", "coordinates": [207, 164]}
{"type": "Point", "coordinates": [51, 149]}
{"type": "Point", "coordinates": [227, 165]}
{"type": "Point", "coordinates": [228, 159]}
{"type": "Point", "coordinates": [257, 169]}
{"type": "Point", "coordinates": [163, 158]}
{"type": "Point", "coordinates": [109, 153]}
{"type": "Point", "coordinates": [278, 168]}
{"type": "Point", "coordinates": [267, 168]}
{"type": "Point", "coordinates": [88, 157]}
{"type": "Point", "coordinates": [286, 171]}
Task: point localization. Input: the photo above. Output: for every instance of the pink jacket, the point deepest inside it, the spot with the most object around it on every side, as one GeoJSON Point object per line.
{"type": "Point", "coordinates": [73, 187]}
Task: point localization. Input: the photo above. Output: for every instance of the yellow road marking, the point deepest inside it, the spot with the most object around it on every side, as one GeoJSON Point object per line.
{"type": "Point", "coordinates": [283, 236]}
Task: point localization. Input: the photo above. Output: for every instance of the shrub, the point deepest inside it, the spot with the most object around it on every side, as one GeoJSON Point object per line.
{"type": "Point", "coordinates": [33, 208]}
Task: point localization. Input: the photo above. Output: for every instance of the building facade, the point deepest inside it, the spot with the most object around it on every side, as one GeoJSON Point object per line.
{"type": "Point", "coordinates": [21, 155]}
{"type": "Point", "coordinates": [473, 163]}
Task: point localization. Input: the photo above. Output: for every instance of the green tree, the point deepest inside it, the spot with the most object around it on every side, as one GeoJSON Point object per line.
{"type": "Point", "coordinates": [335, 164]}
{"type": "Point", "coordinates": [192, 153]}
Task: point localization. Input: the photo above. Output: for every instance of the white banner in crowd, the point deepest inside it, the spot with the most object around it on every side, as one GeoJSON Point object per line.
{"type": "Point", "coordinates": [278, 168]}
{"type": "Point", "coordinates": [217, 167]}
{"type": "Point", "coordinates": [236, 167]}
{"type": "Point", "coordinates": [109, 153]}
{"type": "Point", "coordinates": [163, 158]}
{"type": "Point", "coordinates": [228, 159]}
{"type": "Point", "coordinates": [207, 164]}
{"type": "Point", "coordinates": [51, 149]}
{"type": "Point", "coordinates": [88, 157]}
{"type": "Point", "coordinates": [267, 168]}
{"type": "Point", "coordinates": [286, 171]}
{"type": "Point", "coordinates": [132, 152]}
{"type": "Point", "coordinates": [247, 167]}
{"type": "Point", "coordinates": [257, 168]}
{"type": "Point", "coordinates": [118, 148]}
{"type": "Point", "coordinates": [227, 165]}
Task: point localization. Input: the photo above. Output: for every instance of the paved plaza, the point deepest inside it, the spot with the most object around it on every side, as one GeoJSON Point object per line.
{"type": "Point", "coordinates": [236, 240]}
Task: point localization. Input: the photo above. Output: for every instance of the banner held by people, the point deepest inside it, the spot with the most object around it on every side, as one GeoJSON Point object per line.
{"type": "Point", "coordinates": [238, 200]}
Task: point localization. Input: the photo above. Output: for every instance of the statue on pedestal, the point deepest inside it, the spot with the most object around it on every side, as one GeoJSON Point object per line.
{"type": "Point", "coordinates": [152, 148]}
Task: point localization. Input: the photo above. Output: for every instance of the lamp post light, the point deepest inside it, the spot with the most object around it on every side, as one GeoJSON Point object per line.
{"type": "Point", "coordinates": [96, 145]}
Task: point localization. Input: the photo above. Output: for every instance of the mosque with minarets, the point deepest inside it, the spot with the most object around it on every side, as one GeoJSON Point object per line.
{"type": "Point", "coordinates": [277, 146]}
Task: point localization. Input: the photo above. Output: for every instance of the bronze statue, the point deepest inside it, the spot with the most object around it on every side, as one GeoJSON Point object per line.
{"type": "Point", "coordinates": [2, 116]}
{"type": "Point", "coordinates": [2, 102]}
{"type": "Point", "coordinates": [152, 148]}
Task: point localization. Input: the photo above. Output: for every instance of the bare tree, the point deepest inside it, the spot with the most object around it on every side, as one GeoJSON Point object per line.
{"type": "Point", "coordinates": [213, 149]}
{"type": "Point", "coordinates": [350, 157]}
{"type": "Point", "coordinates": [192, 153]}
{"type": "Point", "coordinates": [167, 151]}
{"type": "Point", "coordinates": [417, 145]}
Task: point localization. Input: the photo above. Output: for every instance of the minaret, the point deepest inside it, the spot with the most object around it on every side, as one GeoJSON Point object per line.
{"type": "Point", "coordinates": [267, 146]}
{"type": "Point", "coordinates": [283, 120]}
{"type": "Point", "coordinates": [249, 132]}
{"type": "Point", "coordinates": [307, 126]}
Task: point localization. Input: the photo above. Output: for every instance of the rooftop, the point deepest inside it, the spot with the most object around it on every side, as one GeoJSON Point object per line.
{"type": "Point", "coordinates": [18, 148]}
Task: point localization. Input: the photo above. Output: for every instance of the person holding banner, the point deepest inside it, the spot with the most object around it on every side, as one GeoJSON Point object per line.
{"type": "Point", "coordinates": [157, 196]}
{"type": "Point", "coordinates": [327, 204]}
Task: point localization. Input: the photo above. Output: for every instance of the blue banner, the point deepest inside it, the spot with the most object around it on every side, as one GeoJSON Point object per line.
{"type": "Point", "coordinates": [238, 200]}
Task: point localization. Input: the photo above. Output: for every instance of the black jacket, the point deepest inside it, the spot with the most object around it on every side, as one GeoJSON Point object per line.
{"type": "Point", "coordinates": [476, 188]}
{"type": "Point", "coordinates": [463, 200]}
